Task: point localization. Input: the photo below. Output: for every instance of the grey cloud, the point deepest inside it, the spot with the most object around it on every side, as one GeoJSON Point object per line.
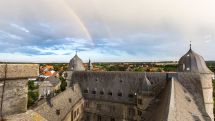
{"type": "Point", "coordinates": [141, 28]}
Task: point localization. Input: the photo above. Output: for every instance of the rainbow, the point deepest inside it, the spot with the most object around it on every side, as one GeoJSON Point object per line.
{"type": "Point", "coordinates": [78, 19]}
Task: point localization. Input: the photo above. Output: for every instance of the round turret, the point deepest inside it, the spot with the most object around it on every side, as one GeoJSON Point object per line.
{"type": "Point", "coordinates": [76, 64]}
{"type": "Point", "coordinates": [193, 62]}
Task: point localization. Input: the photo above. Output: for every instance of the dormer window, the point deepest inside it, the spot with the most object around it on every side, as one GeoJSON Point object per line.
{"type": "Point", "coordinates": [101, 92]}
{"type": "Point", "coordinates": [86, 91]}
{"type": "Point", "coordinates": [94, 92]}
{"type": "Point", "coordinates": [119, 94]}
{"type": "Point", "coordinates": [130, 95]}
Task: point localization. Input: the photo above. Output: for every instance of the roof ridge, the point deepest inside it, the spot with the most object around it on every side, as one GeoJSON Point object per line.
{"type": "Point", "coordinates": [171, 111]}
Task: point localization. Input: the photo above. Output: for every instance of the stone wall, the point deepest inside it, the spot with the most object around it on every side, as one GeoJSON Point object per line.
{"type": "Point", "coordinates": [14, 87]}
{"type": "Point", "coordinates": [109, 111]}
{"type": "Point", "coordinates": [207, 89]}
{"type": "Point", "coordinates": [19, 71]}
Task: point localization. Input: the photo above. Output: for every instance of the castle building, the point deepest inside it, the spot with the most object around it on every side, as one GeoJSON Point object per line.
{"type": "Point", "coordinates": [185, 95]}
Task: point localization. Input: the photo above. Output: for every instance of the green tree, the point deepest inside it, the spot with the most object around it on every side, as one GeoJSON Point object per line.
{"type": "Point", "coordinates": [57, 67]}
{"type": "Point", "coordinates": [63, 84]}
{"type": "Point", "coordinates": [170, 68]}
{"type": "Point", "coordinates": [31, 85]}
{"type": "Point", "coordinates": [139, 69]}
{"type": "Point", "coordinates": [33, 93]}
{"type": "Point", "coordinates": [32, 97]}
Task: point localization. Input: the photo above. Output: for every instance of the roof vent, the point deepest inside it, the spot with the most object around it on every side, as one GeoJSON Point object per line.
{"type": "Point", "coordinates": [97, 79]}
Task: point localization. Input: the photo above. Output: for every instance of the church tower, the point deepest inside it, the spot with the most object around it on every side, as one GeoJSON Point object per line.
{"type": "Point", "coordinates": [90, 66]}
{"type": "Point", "coordinates": [192, 62]}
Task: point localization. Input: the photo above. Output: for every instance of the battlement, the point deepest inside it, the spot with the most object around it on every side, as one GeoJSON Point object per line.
{"type": "Point", "coordinates": [15, 71]}
{"type": "Point", "coordinates": [14, 88]}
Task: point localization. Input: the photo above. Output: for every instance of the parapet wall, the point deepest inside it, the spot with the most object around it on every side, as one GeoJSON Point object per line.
{"type": "Point", "coordinates": [14, 88]}
{"type": "Point", "coordinates": [19, 71]}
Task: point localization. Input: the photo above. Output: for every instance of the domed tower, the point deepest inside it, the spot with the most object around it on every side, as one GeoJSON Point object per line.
{"type": "Point", "coordinates": [76, 64]}
{"type": "Point", "coordinates": [192, 62]}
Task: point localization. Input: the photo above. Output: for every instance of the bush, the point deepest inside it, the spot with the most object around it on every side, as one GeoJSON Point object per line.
{"type": "Point", "coordinates": [32, 97]}
{"type": "Point", "coordinates": [63, 84]}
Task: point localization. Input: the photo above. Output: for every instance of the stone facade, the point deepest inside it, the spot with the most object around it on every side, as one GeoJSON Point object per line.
{"type": "Point", "coordinates": [96, 110]}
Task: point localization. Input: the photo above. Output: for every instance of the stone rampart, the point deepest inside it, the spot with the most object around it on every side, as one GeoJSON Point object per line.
{"type": "Point", "coordinates": [14, 88]}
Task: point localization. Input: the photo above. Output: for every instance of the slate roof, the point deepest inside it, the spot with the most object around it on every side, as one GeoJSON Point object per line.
{"type": "Point", "coordinates": [193, 62]}
{"type": "Point", "coordinates": [48, 109]}
{"type": "Point", "coordinates": [176, 103]}
{"type": "Point", "coordinates": [76, 64]}
{"type": "Point", "coordinates": [116, 82]}
{"type": "Point", "coordinates": [53, 80]}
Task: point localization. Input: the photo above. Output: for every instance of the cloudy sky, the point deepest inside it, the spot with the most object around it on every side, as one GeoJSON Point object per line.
{"type": "Point", "coordinates": [105, 30]}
